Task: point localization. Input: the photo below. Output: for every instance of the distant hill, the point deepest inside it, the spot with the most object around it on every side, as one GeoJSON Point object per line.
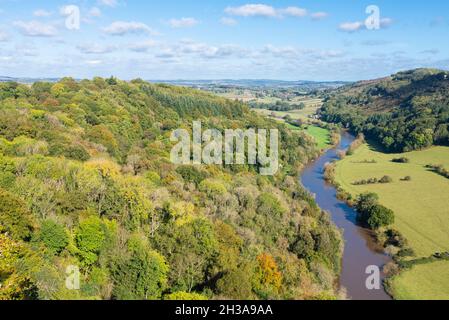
{"type": "Point", "coordinates": [406, 111]}
{"type": "Point", "coordinates": [205, 84]}
{"type": "Point", "coordinates": [27, 80]}
{"type": "Point", "coordinates": [260, 83]}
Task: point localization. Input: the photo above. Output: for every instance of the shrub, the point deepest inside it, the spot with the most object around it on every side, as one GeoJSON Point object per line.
{"type": "Point", "coordinates": [54, 236]}
{"type": "Point", "coordinates": [386, 179]}
{"type": "Point", "coordinates": [77, 152]}
{"type": "Point", "coordinates": [14, 217]}
{"type": "Point", "coordinates": [191, 174]}
{"type": "Point", "coordinates": [90, 238]}
{"type": "Point", "coordinates": [439, 169]}
{"type": "Point", "coordinates": [212, 188]}
{"type": "Point", "coordinates": [401, 160]}
{"type": "Point", "coordinates": [141, 277]}
{"type": "Point", "coordinates": [185, 296]}
{"type": "Point", "coordinates": [267, 205]}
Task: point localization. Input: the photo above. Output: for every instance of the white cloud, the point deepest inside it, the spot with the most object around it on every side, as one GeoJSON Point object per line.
{"type": "Point", "coordinates": [263, 10]}
{"type": "Point", "coordinates": [94, 62]}
{"type": "Point", "coordinates": [358, 25]}
{"type": "Point", "coordinates": [183, 22]}
{"type": "Point", "coordinates": [228, 21]}
{"type": "Point", "coordinates": [143, 46]}
{"type": "Point", "coordinates": [42, 13]}
{"type": "Point", "coordinates": [319, 15]}
{"type": "Point", "coordinates": [120, 28]}
{"type": "Point", "coordinates": [94, 12]}
{"type": "Point", "coordinates": [108, 3]}
{"type": "Point", "coordinates": [386, 22]}
{"type": "Point", "coordinates": [36, 29]}
{"type": "Point", "coordinates": [95, 48]}
{"type": "Point", "coordinates": [293, 11]}
{"type": "Point", "coordinates": [26, 49]}
{"type": "Point", "coordinates": [430, 51]}
{"type": "Point", "coordinates": [351, 26]}
{"type": "Point", "coordinates": [252, 10]}
{"type": "Point", "coordinates": [3, 36]}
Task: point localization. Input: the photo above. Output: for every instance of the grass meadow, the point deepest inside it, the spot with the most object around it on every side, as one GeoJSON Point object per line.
{"type": "Point", "coordinates": [421, 207]}
{"type": "Point", "coordinates": [321, 135]}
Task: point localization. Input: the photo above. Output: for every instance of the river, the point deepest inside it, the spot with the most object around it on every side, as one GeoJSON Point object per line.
{"type": "Point", "coordinates": [361, 250]}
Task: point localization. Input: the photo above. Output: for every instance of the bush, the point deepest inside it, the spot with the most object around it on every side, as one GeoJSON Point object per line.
{"type": "Point", "coordinates": [439, 169]}
{"type": "Point", "coordinates": [191, 174]}
{"type": "Point", "coordinates": [90, 238]}
{"type": "Point", "coordinates": [185, 296]}
{"type": "Point", "coordinates": [386, 179]}
{"type": "Point", "coordinates": [77, 152]}
{"type": "Point", "coordinates": [14, 217]}
{"type": "Point", "coordinates": [401, 160]}
{"type": "Point", "coordinates": [212, 188]}
{"type": "Point", "coordinates": [267, 205]}
{"type": "Point", "coordinates": [54, 236]}
{"type": "Point", "coordinates": [141, 277]}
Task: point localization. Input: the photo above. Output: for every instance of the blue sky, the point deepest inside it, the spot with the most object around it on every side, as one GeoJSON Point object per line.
{"type": "Point", "coordinates": [217, 39]}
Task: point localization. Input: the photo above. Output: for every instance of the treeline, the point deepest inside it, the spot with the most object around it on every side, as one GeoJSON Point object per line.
{"type": "Point", "coordinates": [407, 111]}
{"type": "Point", "coordinates": [278, 106]}
{"type": "Point", "coordinates": [86, 182]}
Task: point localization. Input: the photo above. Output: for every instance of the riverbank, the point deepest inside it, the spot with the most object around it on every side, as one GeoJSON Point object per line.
{"type": "Point", "coordinates": [361, 251]}
{"type": "Point", "coordinates": [418, 197]}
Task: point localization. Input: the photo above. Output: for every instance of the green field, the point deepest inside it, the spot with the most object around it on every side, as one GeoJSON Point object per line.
{"type": "Point", "coordinates": [421, 205]}
{"type": "Point", "coordinates": [311, 108]}
{"type": "Point", "coordinates": [423, 282]}
{"type": "Point", "coordinates": [322, 136]}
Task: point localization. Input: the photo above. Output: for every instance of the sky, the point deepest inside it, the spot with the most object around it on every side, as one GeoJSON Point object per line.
{"type": "Point", "coordinates": [319, 40]}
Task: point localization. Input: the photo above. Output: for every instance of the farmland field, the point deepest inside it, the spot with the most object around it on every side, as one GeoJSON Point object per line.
{"type": "Point", "coordinates": [304, 114]}
{"type": "Point", "coordinates": [421, 205]}
{"type": "Point", "coordinates": [321, 135]}
{"type": "Point", "coordinates": [428, 282]}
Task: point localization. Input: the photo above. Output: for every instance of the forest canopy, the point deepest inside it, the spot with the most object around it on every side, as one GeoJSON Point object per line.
{"type": "Point", "coordinates": [86, 181]}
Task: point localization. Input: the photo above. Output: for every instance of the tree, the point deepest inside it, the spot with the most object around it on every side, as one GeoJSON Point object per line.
{"type": "Point", "coordinates": [14, 217]}
{"type": "Point", "coordinates": [371, 213]}
{"type": "Point", "coordinates": [267, 278]}
{"type": "Point", "coordinates": [237, 282]}
{"type": "Point", "coordinates": [89, 239]}
{"type": "Point", "coordinates": [366, 202]}
{"type": "Point", "coordinates": [54, 236]}
{"type": "Point", "coordinates": [143, 276]}
{"type": "Point", "coordinates": [380, 217]}
{"type": "Point", "coordinates": [13, 284]}
{"type": "Point", "coordinates": [185, 296]}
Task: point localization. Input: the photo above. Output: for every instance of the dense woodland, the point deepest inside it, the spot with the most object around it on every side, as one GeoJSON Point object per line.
{"type": "Point", "coordinates": [407, 111]}
{"type": "Point", "coordinates": [86, 180]}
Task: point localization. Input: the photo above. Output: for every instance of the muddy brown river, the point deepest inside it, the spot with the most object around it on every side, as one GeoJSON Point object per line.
{"type": "Point", "coordinates": [360, 249]}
